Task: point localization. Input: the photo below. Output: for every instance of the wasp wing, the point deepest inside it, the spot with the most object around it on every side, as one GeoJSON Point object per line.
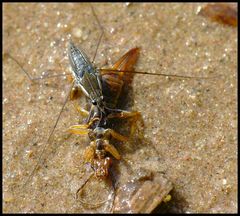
{"type": "Point", "coordinates": [113, 82]}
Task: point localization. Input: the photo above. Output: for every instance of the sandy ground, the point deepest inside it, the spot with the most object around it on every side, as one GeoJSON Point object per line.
{"type": "Point", "coordinates": [191, 124]}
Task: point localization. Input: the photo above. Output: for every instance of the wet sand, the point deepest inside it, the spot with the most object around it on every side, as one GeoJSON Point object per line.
{"type": "Point", "coordinates": [190, 131]}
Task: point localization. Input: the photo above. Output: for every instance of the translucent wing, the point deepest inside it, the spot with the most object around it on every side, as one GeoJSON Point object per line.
{"type": "Point", "coordinates": [112, 82]}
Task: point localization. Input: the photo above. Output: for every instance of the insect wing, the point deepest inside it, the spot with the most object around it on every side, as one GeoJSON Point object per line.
{"type": "Point", "coordinates": [86, 76]}
{"type": "Point", "coordinates": [113, 82]}
{"type": "Point", "coordinates": [125, 63]}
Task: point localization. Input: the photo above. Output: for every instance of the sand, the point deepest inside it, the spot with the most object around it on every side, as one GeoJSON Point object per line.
{"type": "Point", "coordinates": [190, 131]}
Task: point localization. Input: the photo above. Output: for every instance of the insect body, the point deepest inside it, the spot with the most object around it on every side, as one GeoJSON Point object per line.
{"type": "Point", "coordinates": [86, 76]}
{"type": "Point", "coordinates": [103, 89]}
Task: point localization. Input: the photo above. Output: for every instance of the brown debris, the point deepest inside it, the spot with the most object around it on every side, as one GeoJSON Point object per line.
{"type": "Point", "coordinates": [221, 13]}
{"type": "Point", "coordinates": [142, 194]}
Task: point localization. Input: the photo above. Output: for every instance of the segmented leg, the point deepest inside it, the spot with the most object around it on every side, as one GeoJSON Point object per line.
{"type": "Point", "coordinates": [134, 115]}
{"type": "Point", "coordinates": [82, 129]}
{"type": "Point", "coordinates": [81, 110]}
{"type": "Point", "coordinates": [75, 93]}
{"type": "Point", "coordinates": [116, 135]}
{"type": "Point", "coordinates": [124, 114]}
{"type": "Point", "coordinates": [112, 150]}
{"type": "Point", "coordinates": [89, 154]}
{"type": "Point", "coordinates": [79, 129]}
{"type": "Point", "coordinates": [92, 121]}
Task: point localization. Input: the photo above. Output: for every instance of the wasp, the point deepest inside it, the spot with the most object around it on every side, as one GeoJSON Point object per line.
{"type": "Point", "coordinates": [102, 87]}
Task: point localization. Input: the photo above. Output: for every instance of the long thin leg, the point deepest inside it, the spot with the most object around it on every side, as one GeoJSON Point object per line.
{"type": "Point", "coordinates": [102, 32]}
{"type": "Point", "coordinates": [29, 76]}
{"type": "Point", "coordinates": [45, 145]}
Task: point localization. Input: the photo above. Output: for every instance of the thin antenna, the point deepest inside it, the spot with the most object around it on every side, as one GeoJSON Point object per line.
{"type": "Point", "coordinates": [91, 205]}
{"type": "Point", "coordinates": [76, 197]}
{"type": "Point", "coordinates": [45, 145]}
{"type": "Point", "coordinates": [102, 32]}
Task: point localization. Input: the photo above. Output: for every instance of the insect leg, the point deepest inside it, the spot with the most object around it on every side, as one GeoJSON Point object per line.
{"type": "Point", "coordinates": [112, 150]}
{"type": "Point", "coordinates": [89, 153]}
{"type": "Point", "coordinates": [79, 129]}
{"type": "Point", "coordinates": [82, 129]}
{"type": "Point", "coordinates": [75, 93]}
{"type": "Point", "coordinates": [124, 114]}
{"type": "Point", "coordinates": [81, 110]}
{"type": "Point", "coordinates": [116, 135]}
{"type": "Point", "coordinates": [102, 32]}
{"type": "Point", "coordinates": [134, 115]}
{"type": "Point", "coordinates": [28, 75]}
{"type": "Point", "coordinates": [45, 145]}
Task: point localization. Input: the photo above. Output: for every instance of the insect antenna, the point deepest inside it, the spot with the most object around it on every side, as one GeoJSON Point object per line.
{"type": "Point", "coordinates": [156, 74]}
{"type": "Point", "coordinates": [79, 189]}
{"type": "Point", "coordinates": [91, 205]}
{"type": "Point", "coordinates": [49, 137]}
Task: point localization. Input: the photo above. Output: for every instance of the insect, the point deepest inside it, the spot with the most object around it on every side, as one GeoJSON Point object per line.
{"type": "Point", "coordinates": [103, 111]}
{"type": "Point", "coordinates": [103, 91]}
{"type": "Point", "coordinates": [97, 125]}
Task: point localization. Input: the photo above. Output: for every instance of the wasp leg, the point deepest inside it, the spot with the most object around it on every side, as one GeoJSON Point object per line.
{"type": "Point", "coordinates": [92, 121]}
{"type": "Point", "coordinates": [134, 115]}
{"type": "Point", "coordinates": [89, 153]}
{"type": "Point", "coordinates": [112, 150]}
{"type": "Point", "coordinates": [81, 110]}
{"type": "Point", "coordinates": [75, 93]}
{"type": "Point", "coordinates": [82, 129]}
{"type": "Point", "coordinates": [79, 129]}
{"type": "Point", "coordinates": [125, 114]}
{"type": "Point", "coordinates": [117, 136]}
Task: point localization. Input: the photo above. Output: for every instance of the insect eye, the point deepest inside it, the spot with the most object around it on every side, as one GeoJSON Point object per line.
{"type": "Point", "coordinates": [94, 102]}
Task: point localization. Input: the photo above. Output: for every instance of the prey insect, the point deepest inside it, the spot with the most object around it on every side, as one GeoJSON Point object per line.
{"type": "Point", "coordinates": [103, 87]}
{"type": "Point", "coordinates": [102, 90]}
